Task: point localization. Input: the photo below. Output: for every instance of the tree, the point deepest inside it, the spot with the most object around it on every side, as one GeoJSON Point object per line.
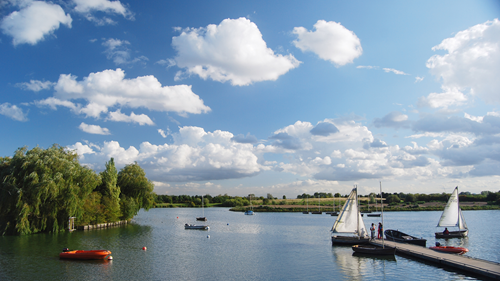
{"type": "Point", "coordinates": [393, 199]}
{"type": "Point", "coordinates": [110, 192]}
{"type": "Point", "coordinates": [410, 198]}
{"type": "Point", "coordinates": [134, 185]}
{"type": "Point", "coordinates": [41, 188]}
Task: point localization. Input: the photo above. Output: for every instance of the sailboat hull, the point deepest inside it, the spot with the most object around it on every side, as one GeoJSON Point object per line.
{"type": "Point", "coordinates": [349, 240]}
{"type": "Point", "coordinates": [453, 234]}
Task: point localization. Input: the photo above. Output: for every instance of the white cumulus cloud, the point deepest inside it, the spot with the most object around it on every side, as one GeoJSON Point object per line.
{"type": "Point", "coordinates": [141, 119]}
{"type": "Point", "coordinates": [231, 51]}
{"type": "Point", "coordinates": [34, 22]}
{"type": "Point", "coordinates": [471, 65]}
{"type": "Point", "coordinates": [93, 129]}
{"type": "Point", "coordinates": [89, 7]}
{"type": "Point", "coordinates": [330, 41]}
{"type": "Point", "coordinates": [12, 111]}
{"type": "Point", "coordinates": [110, 88]}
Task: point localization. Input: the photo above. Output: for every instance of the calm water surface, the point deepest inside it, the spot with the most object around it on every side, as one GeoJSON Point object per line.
{"type": "Point", "coordinates": [266, 246]}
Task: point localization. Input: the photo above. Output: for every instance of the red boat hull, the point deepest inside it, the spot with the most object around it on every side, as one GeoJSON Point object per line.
{"type": "Point", "coordinates": [450, 249]}
{"type": "Point", "coordinates": [85, 255]}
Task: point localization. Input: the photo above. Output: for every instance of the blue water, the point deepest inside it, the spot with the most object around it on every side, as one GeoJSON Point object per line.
{"type": "Point", "coordinates": [266, 246]}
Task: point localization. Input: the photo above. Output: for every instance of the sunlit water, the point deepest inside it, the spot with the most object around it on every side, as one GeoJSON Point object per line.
{"type": "Point", "coordinates": [266, 246]}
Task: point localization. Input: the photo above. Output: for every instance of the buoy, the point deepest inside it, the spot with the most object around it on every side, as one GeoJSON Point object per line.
{"type": "Point", "coordinates": [208, 236]}
{"type": "Point", "coordinates": [144, 248]}
{"type": "Point", "coordinates": [228, 224]}
{"type": "Point", "coordinates": [110, 257]}
{"type": "Point", "coordinates": [177, 217]}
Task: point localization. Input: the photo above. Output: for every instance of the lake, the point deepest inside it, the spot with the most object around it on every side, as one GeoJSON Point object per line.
{"type": "Point", "coordinates": [266, 246]}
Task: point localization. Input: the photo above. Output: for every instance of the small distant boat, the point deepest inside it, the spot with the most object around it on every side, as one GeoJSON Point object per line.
{"type": "Point", "coordinates": [194, 226]}
{"type": "Point", "coordinates": [84, 255]}
{"type": "Point", "coordinates": [452, 217]}
{"type": "Point", "coordinates": [334, 214]}
{"type": "Point", "coordinates": [203, 218]}
{"type": "Point", "coordinates": [319, 208]}
{"type": "Point", "coordinates": [450, 249]}
{"type": "Point", "coordinates": [373, 215]}
{"type": "Point", "coordinates": [350, 222]}
{"type": "Point", "coordinates": [373, 250]}
{"type": "Point", "coordinates": [250, 212]}
{"type": "Point", "coordinates": [398, 236]}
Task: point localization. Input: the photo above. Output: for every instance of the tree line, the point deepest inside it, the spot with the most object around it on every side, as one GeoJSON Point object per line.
{"type": "Point", "coordinates": [41, 188]}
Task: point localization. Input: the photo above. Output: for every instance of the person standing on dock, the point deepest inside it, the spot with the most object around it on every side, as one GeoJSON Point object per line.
{"type": "Point", "coordinates": [380, 231]}
{"type": "Point", "coordinates": [372, 230]}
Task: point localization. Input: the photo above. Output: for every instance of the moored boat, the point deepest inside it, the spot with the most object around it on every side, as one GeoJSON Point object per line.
{"type": "Point", "coordinates": [84, 255]}
{"type": "Point", "coordinates": [349, 221]}
{"type": "Point", "coordinates": [398, 236]}
{"type": "Point", "coordinates": [202, 218]}
{"type": "Point", "coordinates": [194, 226]}
{"type": "Point", "coordinates": [373, 250]}
{"type": "Point", "coordinates": [450, 249]}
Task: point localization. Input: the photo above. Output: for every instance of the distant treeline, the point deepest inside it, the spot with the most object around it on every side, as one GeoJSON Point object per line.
{"type": "Point", "coordinates": [485, 196]}
{"type": "Point", "coordinates": [237, 201]}
{"type": "Point", "coordinates": [220, 200]}
{"type": "Point", "coordinates": [40, 189]}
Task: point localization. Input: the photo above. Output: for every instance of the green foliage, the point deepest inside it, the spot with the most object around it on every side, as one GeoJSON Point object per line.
{"type": "Point", "coordinates": [44, 188]}
{"type": "Point", "coordinates": [134, 184]}
{"type": "Point", "coordinates": [110, 192]}
{"type": "Point", "coordinates": [40, 189]}
{"type": "Point", "coordinates": [410, 198]}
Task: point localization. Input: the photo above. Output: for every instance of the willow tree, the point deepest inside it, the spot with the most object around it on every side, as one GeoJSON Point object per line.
{"type": "Point", "coordinates": [136, 190]}
{"type": "Point", "coordinates": [41, 188]}
{"type": "Point", "coordinates": [110, 192]}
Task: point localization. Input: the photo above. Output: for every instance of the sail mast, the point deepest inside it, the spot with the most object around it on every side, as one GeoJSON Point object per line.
{"type": "Point", "coordinates": [382, 211]}
{"type": "Point", "coordinates": [357, 209]}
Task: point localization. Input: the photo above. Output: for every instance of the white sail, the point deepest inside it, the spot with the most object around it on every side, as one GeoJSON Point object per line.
{"type": "Point", "coordinates": [349, 220]}
{"type": "Point", "coordinates": [461, 221]}
{"type": "Point", "coordinates": [452, 215]}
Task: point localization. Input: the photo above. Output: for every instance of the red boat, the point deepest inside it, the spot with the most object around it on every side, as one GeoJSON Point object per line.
{"type": "Point", "coordinates": [450, 249]}
{"type": "Point", "coordinates": [85, 255]}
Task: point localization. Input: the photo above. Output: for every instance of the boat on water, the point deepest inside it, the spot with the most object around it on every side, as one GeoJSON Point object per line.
{"type": "Point", "coordinates": [319, 207]}
{"type": "Point", "coordinates": [307, 207]}
{"type": "Point", "coordinates": [84, 254]}
{"type": "Point", "coordinates": [452, 217]}
{"type": "Point", "coordinates": [349, 223]}
{"type": "Point", "coordinates": [194, 226]}
{"type": "Point", "coordinates": [449, 249]}
{"type": "Point", "coordinates": [398, 236]}
{"type": "Point", "coordinates": [250, 212]}
{"type": "Point", "coordinates": [334, 213]}
{"type": "Point", "coordinates": [374, 250]}
{"type": "Point", "coordinates": [202, 218]}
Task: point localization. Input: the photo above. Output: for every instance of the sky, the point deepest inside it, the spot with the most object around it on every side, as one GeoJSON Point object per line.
{"type": "Point", "coordinates": [239, 97]}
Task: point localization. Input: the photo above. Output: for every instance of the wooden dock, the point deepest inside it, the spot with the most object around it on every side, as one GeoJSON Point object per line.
{"type": "Point", "coordinates": [461, 262]}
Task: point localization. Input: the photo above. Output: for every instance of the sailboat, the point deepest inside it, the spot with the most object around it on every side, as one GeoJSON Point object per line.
{"type": "Point", "coordinates": [375, 249]}
{"type": "Point", "coordinates": [334, 213]}
{"type": "Point", "coordinates": [376, 214]}
{"type": "Point", "coordinates": [452, 217]}
{"type": "Point", "coordinates": [250, 212]}
{"type": "Point", "coordinates": [319, 207]}
{"type": "Point", "coordinates": [307, 206]}
{"type": "Point", "coordinates": [202, 218]}
{"type": "Point", "coordinates": [349, 221]}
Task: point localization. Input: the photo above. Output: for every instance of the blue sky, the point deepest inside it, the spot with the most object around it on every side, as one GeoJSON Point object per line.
{"type": "Point", "coordinates": [280, 97]}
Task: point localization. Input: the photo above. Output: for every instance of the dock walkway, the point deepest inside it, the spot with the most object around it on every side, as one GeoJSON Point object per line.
{"type": "Point", "coordinates": [477, 266]}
